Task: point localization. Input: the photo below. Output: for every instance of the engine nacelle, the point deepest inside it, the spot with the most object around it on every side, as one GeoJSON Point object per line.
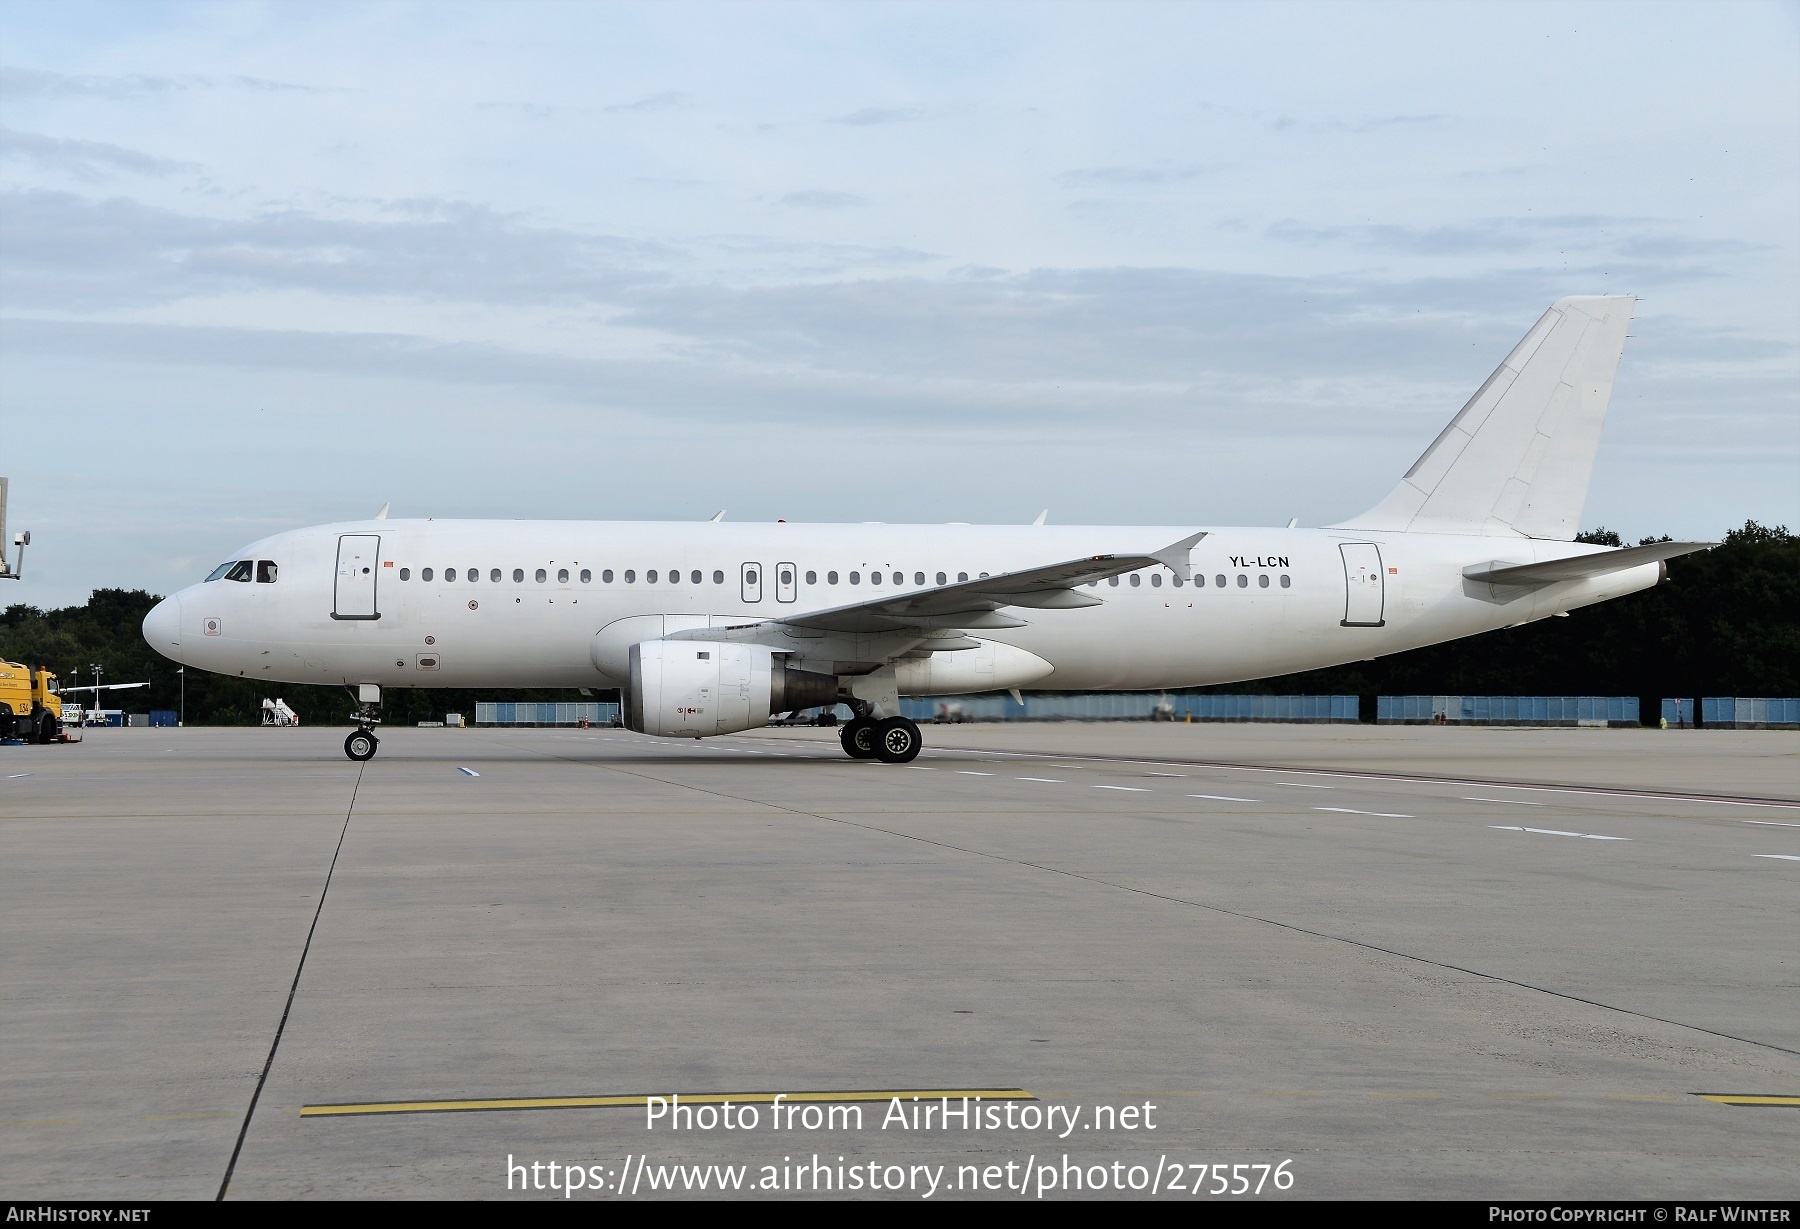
{"type": "Point", "coordinates": [695, 688]}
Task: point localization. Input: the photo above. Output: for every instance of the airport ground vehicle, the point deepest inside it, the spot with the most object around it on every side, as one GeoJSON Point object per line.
{"type": "Point", "coordinates": [30, 705]}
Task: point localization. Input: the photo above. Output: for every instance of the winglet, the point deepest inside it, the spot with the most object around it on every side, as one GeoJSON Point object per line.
{"type": "Point", "coordinates": [717, 516]}
{"type": "Point", "coordinates": [1041, 516]}
{"type": "Point", "coordinates": [382, 515]}
{"type": "Point", "coordinates": [1175, 555]}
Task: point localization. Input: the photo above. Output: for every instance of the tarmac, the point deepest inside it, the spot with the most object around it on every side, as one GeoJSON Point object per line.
{"type": "Point", "coordinates": [1376, 962]}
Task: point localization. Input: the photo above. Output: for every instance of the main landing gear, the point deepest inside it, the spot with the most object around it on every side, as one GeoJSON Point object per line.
{"type": "Point", "coordinates": [893, 741]}
{"type": "Point", "coordinates": [362, 743]}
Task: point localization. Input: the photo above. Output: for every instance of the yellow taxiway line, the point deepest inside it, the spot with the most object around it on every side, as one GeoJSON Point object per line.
{"type": "Point", "coordinates": [1730, 1099]}
{"type": "Point", "coordinates": [640, 1100]}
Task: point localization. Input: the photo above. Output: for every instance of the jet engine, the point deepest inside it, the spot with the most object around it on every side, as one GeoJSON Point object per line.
{"type": "Point", "coordinates": [694, 688]}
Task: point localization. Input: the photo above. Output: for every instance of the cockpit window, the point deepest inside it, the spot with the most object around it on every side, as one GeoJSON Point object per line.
{"type": "Point", "coordinates": [219, 572]}
{"type": "Point", "coordinates": [239, 571]}
{"type": "Point", "coordinates": [265, 571]}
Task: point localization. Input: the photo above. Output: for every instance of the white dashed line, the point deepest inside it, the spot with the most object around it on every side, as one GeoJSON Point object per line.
{"type": "Point", "coordinates": [1377, 814]}
{"type": "Point", "coordinates": [1300, 785]}
{"type": "Point", "coordinates": [1785, 857]}
{"type": "Point", "coordinates": [1045, 780]}
{"type": "Point", "coordinates": [1768, 823]}
{"type": "Point", "coordinates": [1514, 802]}
{"type": "Point", "coordinates": [1165, 774]}
{"type": "Point", "coordinates": [1129, 789]}
{"type": "Point", "coordinates": [964, 772]}
{"type": "Point", "coordinates": [1224, 798]}
{"type": "Point", "coordinates": [14, 776]}
{"type": "Point", "coordinates": [1586, 836]}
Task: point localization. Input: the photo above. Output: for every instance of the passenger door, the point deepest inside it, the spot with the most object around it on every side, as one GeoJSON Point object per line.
{"type": "Point", "coordinates": [752, 574]}
{"type": "Point", "coordinates": [1363, 592]}
{"type": "Point", "coordinates": [358, 565]}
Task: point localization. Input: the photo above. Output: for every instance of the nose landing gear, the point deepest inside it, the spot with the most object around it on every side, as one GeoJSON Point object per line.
{"type": "Point", "coordinates": [362, 743]}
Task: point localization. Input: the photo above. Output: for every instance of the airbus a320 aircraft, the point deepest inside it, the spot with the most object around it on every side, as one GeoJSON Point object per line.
{"type": "Point", "coordinates": [710, 628]}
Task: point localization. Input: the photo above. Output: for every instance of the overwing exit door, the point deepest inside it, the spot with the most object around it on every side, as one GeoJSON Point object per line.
{"type": "Point", "coordinates": [752, 575]}
{"type": "Point", "coordinates": [358, 565]}
{"type": "Point", "coordinates": [1363, 592]}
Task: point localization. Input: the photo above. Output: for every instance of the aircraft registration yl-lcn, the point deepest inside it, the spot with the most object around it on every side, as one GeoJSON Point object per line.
{"type": "Point", "coordinates": [709, 628]}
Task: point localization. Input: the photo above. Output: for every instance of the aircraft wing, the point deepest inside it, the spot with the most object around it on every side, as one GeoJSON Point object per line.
{"type": "Point", "coordinates": [1579, 566]}
{"type": "Point", "coordinates": [973, 603]}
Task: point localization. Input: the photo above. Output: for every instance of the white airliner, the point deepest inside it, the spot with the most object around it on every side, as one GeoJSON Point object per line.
{"type": "Point", "coordinates": [709, 628]}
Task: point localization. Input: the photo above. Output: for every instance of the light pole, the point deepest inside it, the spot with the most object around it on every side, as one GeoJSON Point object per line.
{"type": "Point", "coordinates": [95, 667]}
{"type": "Point", "coordinates": [182, 671]}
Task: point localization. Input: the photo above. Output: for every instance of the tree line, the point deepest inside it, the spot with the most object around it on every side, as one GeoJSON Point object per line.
{"type": "Point", "coordinates": [1726, 623]}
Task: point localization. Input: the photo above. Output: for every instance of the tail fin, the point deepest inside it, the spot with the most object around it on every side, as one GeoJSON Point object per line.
{"type": "Point", "coordinates": [1516, 460]}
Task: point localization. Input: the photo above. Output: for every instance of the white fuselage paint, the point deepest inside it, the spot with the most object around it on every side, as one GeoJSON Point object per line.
{"type": "Point", "coordinates": [1152, 634]}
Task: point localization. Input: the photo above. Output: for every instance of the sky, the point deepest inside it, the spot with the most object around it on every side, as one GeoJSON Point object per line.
{"type": "Point", "coordinates": [265, 265]}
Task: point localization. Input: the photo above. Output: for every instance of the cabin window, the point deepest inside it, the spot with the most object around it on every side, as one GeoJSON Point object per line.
{"type": "Point", "coordinates": [541, 576]}
{"type": "Point", "coordinates": [425, 575]}
{"type": "Point", "coordinates": [786, 576]}
{"type": "Point", "coordinates": [1136, 580]}
{"type": "Point", "coordinates": [694, 577]}
{"type": "Point", "coordinates": [1219, 580]}
{"type": "Point", "coordinates": [1262, 582]}
{"type": "Point", "coordinates": [812, 578]}
{"type": "Point", "coordinates": [586, 575]}
{"type": "Point", "coordinates": [562, 576]}
{"type": "Point", "coordinates": [674, 576]}
{"type": "Point", "coordinates": [961, 576]}
{"type": "Point", "coordinates": [650, 577]}
{"type": "Point", "coordinates": [1243, 581]}
{"type": "Point", "coordinates": [1156, 580]}
{"type": "Point", "coordinates": [718, 577]}
{"type": "Point", "coordinates": [606, 576]}
{"type": "Point", "coordinates": [631, 576]}
{"type": "Point", "coordinates": [831, 578]}
{"type": "Point", "coordinates": [405, 573]}
{"type": "Point", "coordinates": [1286, 580]}
{"type": "Point", "coordinates": [874, 578]}
{"type": "Point", "coordinates": [265, 571]}
{"type": "Point", "coordinates": [942, 579]}
{"type": "Point", "coordinates": [1113, 581]}
{"type": "Point", "coordinates": [449, 573]}
{"type": "Point", "coordinates": [856, 578]}
{"type": "Point", "coordinates": [1176, 581]}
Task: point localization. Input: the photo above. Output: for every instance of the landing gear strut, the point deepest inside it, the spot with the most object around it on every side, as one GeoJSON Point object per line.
{"type": "Point", "coordinates": [362, 743]}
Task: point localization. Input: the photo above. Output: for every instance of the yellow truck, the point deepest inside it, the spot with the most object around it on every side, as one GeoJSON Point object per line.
{"type": "Point", "coordinates": [30, 708]}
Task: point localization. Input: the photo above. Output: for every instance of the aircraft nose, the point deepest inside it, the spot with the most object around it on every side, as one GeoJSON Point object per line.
{"type": "Point", "coordinates": [162, 626]}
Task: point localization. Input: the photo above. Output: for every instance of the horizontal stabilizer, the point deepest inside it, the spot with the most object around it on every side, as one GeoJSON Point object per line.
{"type": "Point", "coordinates": [1578, 567]}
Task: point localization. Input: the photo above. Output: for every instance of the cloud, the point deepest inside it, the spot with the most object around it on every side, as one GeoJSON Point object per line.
{"type": "Point", "coordinates": [821, 199]}
{"type": "Point", "coordinates": [32, 82]}
{"type": "Point", "coordinates": [653, 102]}
{"type": "Point", "coordinates": [1160, 174]}
{"type": "Point", "coordinates": [870, 116]}
{"type": "Point", "coordinates": [84, 159]}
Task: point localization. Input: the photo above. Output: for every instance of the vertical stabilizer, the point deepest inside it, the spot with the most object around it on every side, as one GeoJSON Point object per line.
{"type": "Point", "coordinates": [1516, 460]}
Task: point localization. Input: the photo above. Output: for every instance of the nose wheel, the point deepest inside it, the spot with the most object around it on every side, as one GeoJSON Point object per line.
{"type": "Point", "coordinates": [361, 745]}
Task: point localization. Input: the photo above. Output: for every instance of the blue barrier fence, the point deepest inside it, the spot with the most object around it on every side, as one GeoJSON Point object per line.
{"type": "Point", "coordinates": [544, 713]}
{"type": "Point", "coordinates": [1746, 712]}
{"type": "Point", "coordinates": [1507, 710]}
{"type": "Point", "coordinates": [1131, 706]}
